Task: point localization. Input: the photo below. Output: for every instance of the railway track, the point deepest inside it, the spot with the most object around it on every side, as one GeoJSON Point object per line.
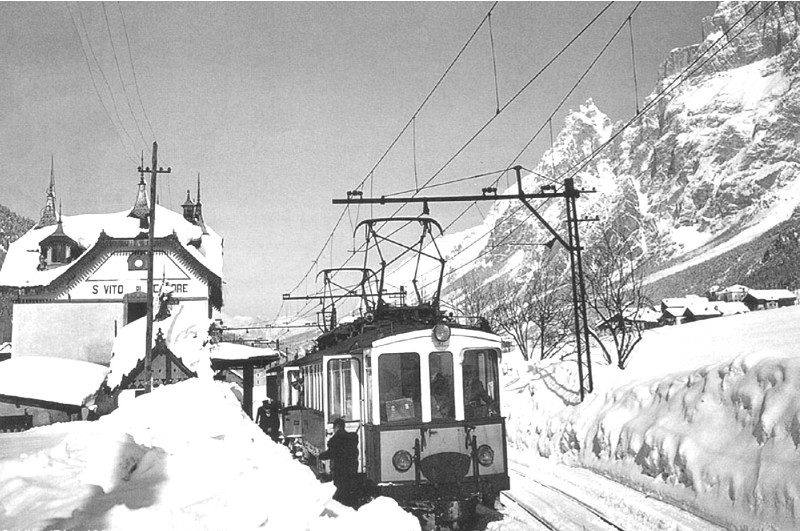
{"type": "Point", "coordinates": [532, 513]}
{"type": "Point", "coordinates": [557, 510]}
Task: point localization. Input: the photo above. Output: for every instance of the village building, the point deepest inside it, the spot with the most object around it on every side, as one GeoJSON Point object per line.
{"type": "Point", "coordinates": [640, 318]}
{"type": "Point", "coordinates": [673, 310]}
{"type": "Point", "coordinates": [730, 308]}
{"type": "Point", "coordinates": [700, 311]}
{"type": "Point", "coordinates": [75, 281]}
{"type": "Point", "coordinates": [735, 293]}
{"type": "Point", "coordinates": [767, 299]}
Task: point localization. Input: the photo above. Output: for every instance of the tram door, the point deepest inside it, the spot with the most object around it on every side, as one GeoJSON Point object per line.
{"type": "Point", "coordinates": [343, 396]}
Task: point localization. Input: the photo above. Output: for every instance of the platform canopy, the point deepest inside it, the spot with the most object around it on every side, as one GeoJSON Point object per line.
{"type": "Point", "coordinates": [236, 356]}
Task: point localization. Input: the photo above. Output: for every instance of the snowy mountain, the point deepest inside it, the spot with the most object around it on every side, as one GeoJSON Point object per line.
{"type": "Point", "coordinates": [711, 166]}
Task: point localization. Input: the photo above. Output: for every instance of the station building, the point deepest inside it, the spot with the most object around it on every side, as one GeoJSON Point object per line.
{"type": "Point", "coordinates": [75, 281]}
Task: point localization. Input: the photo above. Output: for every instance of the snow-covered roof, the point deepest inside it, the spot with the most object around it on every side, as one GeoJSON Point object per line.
{"type": "Point", "coordinates": [736, 288]}
{"type": "Point", "coordinates": [58, 380]}
{"type": "Point", "coordinates": [5, 348]}
{"type": "Point", "coordinates": [771, 294]}
{"type": "Point", "coordinates": [731, 308]}
{"type": "Point", "coordinates": [237, 351]}
{"type": "Point", "coordinates": [683, 302]}
{"type": "Point", "coordinates": [186, 336]}
{"type": "Point", "coordinates": [20, 265]}
{"type": "Point", "coordinates": [702, 309]}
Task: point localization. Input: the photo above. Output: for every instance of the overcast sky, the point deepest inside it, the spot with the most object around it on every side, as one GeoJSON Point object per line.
{"type": "Point", "coordinates": [282, 107]}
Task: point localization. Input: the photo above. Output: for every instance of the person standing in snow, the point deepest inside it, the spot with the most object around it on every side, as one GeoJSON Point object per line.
{"type": "Point", "coordinates": [343, 452]}
{"type": "Point", "coordinates": [268, 418]}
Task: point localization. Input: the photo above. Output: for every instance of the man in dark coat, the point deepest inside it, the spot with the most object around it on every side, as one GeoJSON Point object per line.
{"type": "Point", "coordinates": [343, 452]}
{"type": "Point", "coordinates": [268, 418]}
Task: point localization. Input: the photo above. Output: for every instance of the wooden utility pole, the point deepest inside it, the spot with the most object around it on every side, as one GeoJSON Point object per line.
{"type": "Point", "coordinates": [148, 346]}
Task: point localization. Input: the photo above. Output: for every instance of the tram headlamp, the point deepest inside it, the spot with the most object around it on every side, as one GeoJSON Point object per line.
{"type": "Point", "coordinates": [441, 333]}
{"type": "Point", "coordinates": [402, 460]}
{"type": "Point", "coordinates": [485, 455]}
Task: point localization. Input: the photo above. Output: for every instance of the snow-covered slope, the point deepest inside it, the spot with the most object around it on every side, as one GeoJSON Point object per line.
{"type": "Point", "coordinates": [707, 415]}
{"type": "Point", "coordinates": [711, 166]}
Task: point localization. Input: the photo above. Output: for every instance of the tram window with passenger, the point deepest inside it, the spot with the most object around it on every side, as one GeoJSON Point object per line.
{"type": "Point", "coordinates": [440, 365]}
{"type": "Point", "coordinates": [399, 384]}
{"type": "Point", "coordinates": [481, 383]}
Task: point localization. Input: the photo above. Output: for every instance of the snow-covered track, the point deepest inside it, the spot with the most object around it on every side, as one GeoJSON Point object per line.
{"type": "Point", "coordinates": [530, 511]}
{"type": "Point", "coordinates": [576, 498]}
{"type": "Point", "coordinates": [556, 509]}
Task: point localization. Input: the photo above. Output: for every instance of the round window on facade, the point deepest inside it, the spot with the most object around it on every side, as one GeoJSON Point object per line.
{"type": "Point", "coordinates": [137, 262]}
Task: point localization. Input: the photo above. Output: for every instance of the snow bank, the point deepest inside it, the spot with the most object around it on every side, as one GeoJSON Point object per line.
{"type": "Point", "coordinates": [43, 377]}
{"type": "Point", "coordinates": [183, 457]}
{"type": "Point", "coordinates": [707, 415]}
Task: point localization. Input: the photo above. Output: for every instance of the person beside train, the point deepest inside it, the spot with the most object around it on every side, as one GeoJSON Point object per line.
{"type": "Point", "coordinates": [343, 453]}
{"type": "Point", "coordinates": [268, 418]}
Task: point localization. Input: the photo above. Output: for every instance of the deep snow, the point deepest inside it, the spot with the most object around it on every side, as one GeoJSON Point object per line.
{"type": "Point", "coordinates": [707, 415]}
{"type": "Point", "coordinates": [182, 457]}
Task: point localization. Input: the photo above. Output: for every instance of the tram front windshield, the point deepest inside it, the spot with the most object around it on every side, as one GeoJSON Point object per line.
{"type": "Point", "coordinates": [399, 384]}
{"type": "Point", "coordinates": [481, 384]}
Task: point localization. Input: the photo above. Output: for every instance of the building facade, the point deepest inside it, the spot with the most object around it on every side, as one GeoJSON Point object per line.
{"type": "Point", "coordinates": [74, 283]}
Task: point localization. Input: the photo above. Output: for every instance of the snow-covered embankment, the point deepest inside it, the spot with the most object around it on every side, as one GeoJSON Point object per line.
{"type": "Point", "coordinates": [707, 415]}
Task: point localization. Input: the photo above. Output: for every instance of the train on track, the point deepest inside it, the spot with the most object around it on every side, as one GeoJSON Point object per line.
{"type": "Point", "coordinates": [422, 391]}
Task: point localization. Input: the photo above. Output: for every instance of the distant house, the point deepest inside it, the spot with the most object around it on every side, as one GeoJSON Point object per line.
{"type": "Point", "coordinates": [643, 318]}
{"type": "Point", "coordinates": [767, 299]}
{"type": "Point", "coordinates": [731, 308]}
{"type": "Point", "coordinates": [673, 310]}
{"type": "Point", "coordinates": [735, 293]}
{"type": "Point", "coordinates": [700, 311]}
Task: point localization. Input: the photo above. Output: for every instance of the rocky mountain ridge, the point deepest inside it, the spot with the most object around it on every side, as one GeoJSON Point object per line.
{"type": "Point", "coordinates": [711, 167]}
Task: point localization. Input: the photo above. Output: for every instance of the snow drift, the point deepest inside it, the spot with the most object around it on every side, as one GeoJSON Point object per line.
{"type": "Point", "coordinates": [707, 416]}
{"type": "Point", "coordinates": [183, 457]}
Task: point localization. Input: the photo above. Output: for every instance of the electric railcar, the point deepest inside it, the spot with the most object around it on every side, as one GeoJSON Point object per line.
{"type": "Point", "coordinates": [422, 392]}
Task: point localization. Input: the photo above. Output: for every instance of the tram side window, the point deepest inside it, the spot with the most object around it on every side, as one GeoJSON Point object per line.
{"type": "Point", "coordinates": [306, 382]}
{"type": "Point", "coordinates": [442, 395]}
{"type": "Point", "coordinates": [399, 387]}
{"type": "Point", "coordinates": [368, 387]}
{"type": "Point", "coordinates": [340, 388]}
{"type": "Point", "coordinates": [481, 384]}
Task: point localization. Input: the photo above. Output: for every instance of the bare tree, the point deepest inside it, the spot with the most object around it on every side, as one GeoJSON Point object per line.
{"type": "Point", "coordinates": [532, 309]}
{"type": "Point", "coordinates": [615, 294]}
{"type": "Point", "coordinates": [473, 296]}
{"type": "Point", "coordinates": [511, 312]}
{"type": "Point", "coordinates": [550, 306]}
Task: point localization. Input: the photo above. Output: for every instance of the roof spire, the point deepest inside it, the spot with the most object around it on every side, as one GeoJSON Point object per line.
{"type": "Point", "coordinates": [141, 208]}
{"type": "Point", "coordinates": [198, 209]}
{"type": "Point", "coordinates": [48, 216]}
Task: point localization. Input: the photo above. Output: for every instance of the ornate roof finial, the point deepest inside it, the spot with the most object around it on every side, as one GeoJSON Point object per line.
{"type": "Point", "coordinates": [198, 209]}
{"type": "Point", "coordinates": [141, 208]}
{"type": "Point", "coordinates": [48, 216]}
